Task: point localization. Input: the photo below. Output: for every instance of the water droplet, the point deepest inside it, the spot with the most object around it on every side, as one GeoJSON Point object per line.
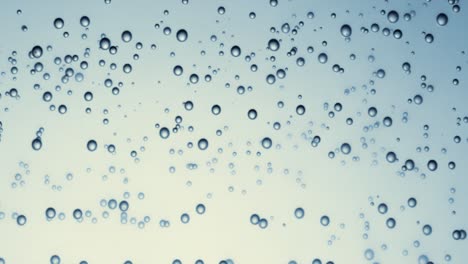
{"type": "Point", "coordinates": [92, 145]}
{"type": "Point", "coordinates": [182, 35]}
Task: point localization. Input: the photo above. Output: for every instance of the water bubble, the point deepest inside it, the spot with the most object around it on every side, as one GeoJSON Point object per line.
{"type": "Point", "coordinates": [59, 23]}
{"type": "Point", "coordinates": [391, 157]}
{"type": "Point", "coordinates": [382, 208]}
{"type": "Point", "coordinates": [300, 110]}
{"type": "Point", "coordinates": [216, 109]}
{"type": "Point", "coordinates": [427, 230]}
{"type": "Point", "coordinates": [299, 213]}
{"type": "Point", "coordinates": [202, 144]}
{"type": "Point", "coordinates": [429, 38]}
{"type": "Point", "coordinates": [322, 58]}
{"type": "Point", "coordinates": [91, 145]}
{"type": "Point", "coordinates": [369, 254]}
{"type": "Point", "coordinates": [346, 30]}
{"type": "Point", "coordinates": [393, 16]}
{"type": "Point", "coordinates": [85, 21]}
{"type": "Point", "coordinates": [77, 214]}
{"type": "Point", "coordinates": [273, 45]}
{"type": "Point", "coordinates": [123, 206]}
{"type": "Point", "coordinates": [185, 218]}
{"type": "Point", "coordinates": [178, 70]}
{"type": "Point", "coordinates": [442, 19]}
{"type": "Point", "coordinates": [252, 114]}
{"type": "Point", "coordinates": [36, 52]}
{"type": "Point", "coordinates": [235, 51]}
{"type": "Point", "coordinates": [55, 259]}
{"type": "Point", "coordinates": [391, 223]}
{"type": "Point", "coordinates": [412, 202]}
{"type": "Point", "coordinates": [267, 143]}
{"type": "Point", "coordinates": [50, 213]}
{"type": "Point", "coordinates": [127, 68]}
{"type": "Point", "coordinates": [164, 133]}
{"type": "Point", "coordinates": [36, 143]}
{"type": "Point", "coordinates": [104, 43]}
{"type": "Point", "coordinates": [182, 35]}
{"type": "Point", "coordinates": [345, 148]}
{"type": "Point", "coordinates": [324, 220]}
{"type": "Point", "coordinates": [126, 36]}
{"type": "Point", "coordinates": [432, 165]}
{"type": "Point", "coordinates": [200, 208]}
{"type": "Point", "coordinates": [21, 220]}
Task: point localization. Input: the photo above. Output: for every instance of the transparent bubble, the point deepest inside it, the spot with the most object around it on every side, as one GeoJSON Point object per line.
{"type": "Point", "coordinates": [21, 220]}
{"type": "Point", "coordinates": [345, 148]}
{"type": "Point", "coordinates": [182, 35]}
{"type": "Point", "coordinates": [252, 114]}
{"type": "Point", "coordinates": [300, 110]}
{"type": "Point", "coordinates": [216, 109]}
{"type": "Point", "coordinates": [432, 165]}
{"type": "Point", "coordinates": [391, 223]}
{"type": "Point", "coordinates": [203, 144]}
{"type": "Point", "coordinates": [50, 213]}
{"type": "Point", "coordinates": [59, 23]}
{"type": "Point", "coordinates": [267, 143]}
{"type": "Point", "coordinates": [324, 220]}
{"type": "Point", "coordinates": [429, 38]}
{"type": "Point", "coordinates": [299, 213]}
{"type": "Point", "coordinates": [427, 230]}
{"type": "Point", "coordinates": [369, 254]}
{"type": "Point", "coordinates": [273, 45]}
{"type": "Point", "coordinates": [178, 70]}
{"type": "Point", "coordinates": [442, 19]}
{"type": "Point", "coordinates": [200, 208]}
{"type": "Point", "coordinates": [164, 132]}
{"type": "Point", "coordinates": [36, 143]}
{"type": "Point", "coordinates": [382, 208]}
{"type": "Point", "coordinates": [55, 259]}
{"type": "Point", "coordinates": [393, 16]}
{"type": "Point", "coordinates": [126, 36]}
{"type": "Point", "coordinates": [235, 51]}
{"type": "Point", "coordinates": [185, 218]}
{"type": "Point", "coordinates": [85, 21]}
{"type": "Point", "coordinates": [77, 214]}
{"type": "Point", "coordinates": [322, 58]}
{"type": "Point", "coordinates": [91, 145]}
{"type": "Point", "coordinates": [346, 30]}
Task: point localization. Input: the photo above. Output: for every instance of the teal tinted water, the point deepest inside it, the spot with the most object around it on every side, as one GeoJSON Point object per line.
{"type": "Point", "coordinates": [233, 132]}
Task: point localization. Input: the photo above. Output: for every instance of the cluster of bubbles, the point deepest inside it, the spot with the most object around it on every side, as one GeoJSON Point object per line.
{"type": "Point", "coordinates": [282, 58]}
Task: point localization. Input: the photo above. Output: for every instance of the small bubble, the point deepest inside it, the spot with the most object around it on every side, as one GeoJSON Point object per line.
{"type": "Point", "coordinates": [92, 145]}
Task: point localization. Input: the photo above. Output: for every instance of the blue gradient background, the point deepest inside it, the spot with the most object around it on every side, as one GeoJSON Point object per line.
{"type": "Point", "coordinates": [299, 176]}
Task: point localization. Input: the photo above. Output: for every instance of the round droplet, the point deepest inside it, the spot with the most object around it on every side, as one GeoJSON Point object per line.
{"type": "Point", "coordinates": [432, 165]}
{"type": "Point", "coordinates": [178, 70]}
{"type": "Point", "coordinates": [252, 114]}
{"type": "Point", "coordinates": [50, 213]}
{"type": "Point", "coordinates": [235, 51]}
{"type": "Point", "coordinates": [91, 145]}
{"type": "Point", "coordinates": [126, 36]}
{"type": "Point", "coordinates": [21, 220]}
{"type": "Point", "coordinates": [299, 213]}
{"type": "Point", "coordinates": [200, 208]}
{"type": "Point", "coordinates": [300, 110]}
{"type": "Point", "coordinates": [345, 148]}
{"type": "Point", "coordinates": [442, 19]}
{"type": "Point", "coordinates": [324, 220]}
{"type": "Point", "coordinates": [216, 109]}
{"type": "Point", "coordinates": [202, 144]}
{"type": "Point", "coordinates": [429, 38]}
{"type": "Point", "coordinates": [37, 143]}
{"type": "Point", "coordinates": [346, 30]}
{"type": "Point", "coordinates": [393, 16]}
{"type": "Point", "coordinates": [182, 35]}
{"type": "Point", "coordinates": [267, 143]}
{"type": "Point", "coordinates": [85, 21]}
{"type": "Point", "coordinates": [164, 133]}
{"type": "Point", "coordinates": [273, 45]}
{"type": "Point", "coordinates": [427, 230]}
{"type": "Point", "coordinates": [59, 23]}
